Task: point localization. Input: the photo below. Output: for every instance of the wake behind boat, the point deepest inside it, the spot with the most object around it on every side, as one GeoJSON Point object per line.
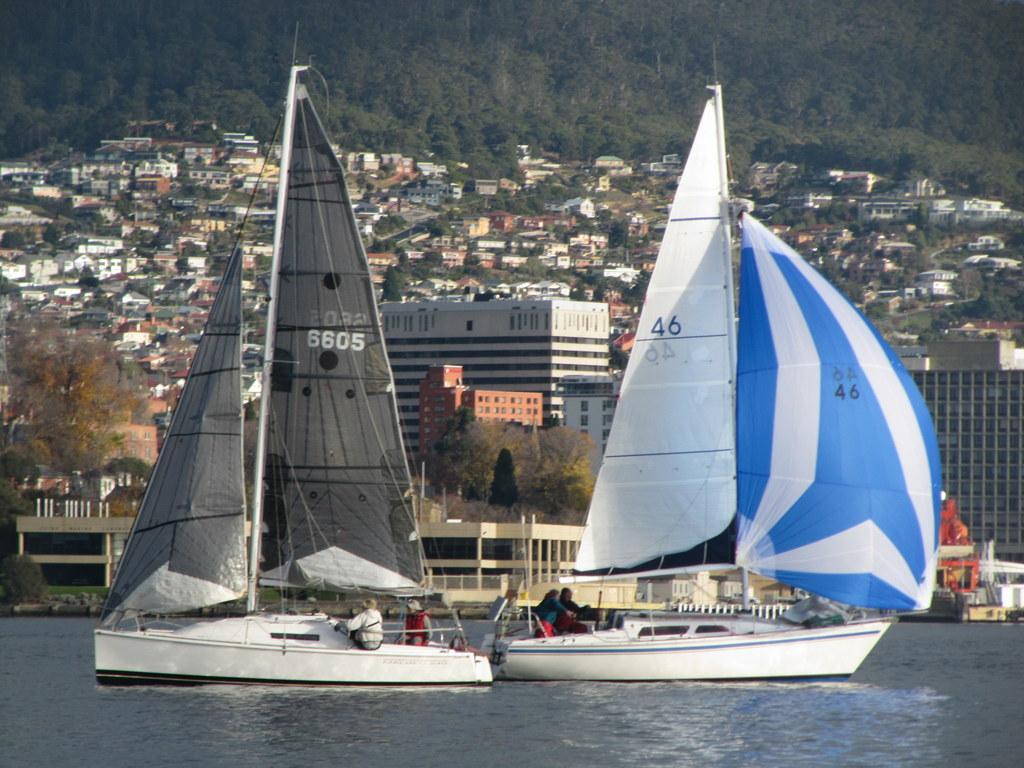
{"type": "Point", "coordinates": [333, 506]}
{"type": "Point", "coordinates": [796, 447]}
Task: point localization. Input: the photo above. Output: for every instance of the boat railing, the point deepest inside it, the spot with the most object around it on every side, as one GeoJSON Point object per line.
{"type": "Point", "coordinates": [760, 610]}
{"type": "Point", "coordinates": [444, 634]}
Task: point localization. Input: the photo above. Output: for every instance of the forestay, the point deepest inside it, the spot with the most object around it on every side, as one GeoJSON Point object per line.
{"type": "Point", "coordinates": [187, 546]}
{"type": "Point", "coordinates": [667, 481]}
{"type": "Point", "coordinates": [336, 491]}
{"type": "Point", "coordinates": [838, 462]}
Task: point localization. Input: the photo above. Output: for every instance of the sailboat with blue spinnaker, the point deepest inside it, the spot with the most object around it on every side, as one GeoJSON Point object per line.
{"type": "Point", "coordinates": [792, 444]}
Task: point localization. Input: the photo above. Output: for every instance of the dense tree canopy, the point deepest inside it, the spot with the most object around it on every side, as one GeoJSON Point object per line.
{"type": "Point", "coordinates": [72, 395]}
{"type": "Point", "coordinates": [548, 469]}
{"type": "Point", "coordinates": [925, 86]}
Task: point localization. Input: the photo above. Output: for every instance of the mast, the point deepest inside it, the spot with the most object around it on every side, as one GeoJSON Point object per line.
{"type": "Point", "coordinates": [730, 294]}
{"type": "Point", "coordinates": [255, 534]}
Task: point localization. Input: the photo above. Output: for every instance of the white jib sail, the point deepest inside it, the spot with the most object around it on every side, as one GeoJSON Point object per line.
{"type": "Point", "coordinates": [667, 482]}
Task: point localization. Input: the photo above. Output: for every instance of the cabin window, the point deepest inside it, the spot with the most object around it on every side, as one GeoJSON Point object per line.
{"type": "Point", "coordinates": [707, 629]}
{"type": "Point", "coordinates": [668, 629]}
{"type": "Point", "coordinates": [295, 636]}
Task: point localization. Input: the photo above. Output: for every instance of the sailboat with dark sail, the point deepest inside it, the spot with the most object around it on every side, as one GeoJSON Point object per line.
{"type": "Point", "coordinates": [333, 506]}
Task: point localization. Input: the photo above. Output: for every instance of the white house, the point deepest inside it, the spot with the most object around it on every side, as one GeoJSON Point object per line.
{"type": "Point", "coordinates": [134, 301]}
{"type": "Point", "coordinates": [12, 270]}
{"type": "Point", "coordinates": [623, 274]}
{"type": "Point", "coordinates": [986, 243]}
{"type": "Point", "coordinates": [42, 268]}
{"type": "Point", "coordinates": [98, 246]}
{"type": "Point", "coordinates": [935, 283]}
{"type": "Point", "coordinates": [583, 206]}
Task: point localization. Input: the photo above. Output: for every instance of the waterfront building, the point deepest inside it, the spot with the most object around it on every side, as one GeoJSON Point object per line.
{"type": "Point", "coordinates": [79, 543]}
{"type": "Point", "coordinates": [975, 392]}
{"type": "Point", "coordinates": [490, 557]}
{"type": "Point", "coordinates": [524, 345]}
{"type": "Point", "coordinates": [474, 562]}
{"type": "Point", "coordinates": [76, 543]}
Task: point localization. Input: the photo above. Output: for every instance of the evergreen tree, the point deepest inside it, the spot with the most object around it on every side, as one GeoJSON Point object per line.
{"type": "Point", "coordinates": [23, 579]}
{"type": "Point", "coordinates": [393, 284]}
{"type": "Point", "coordinates": [503, 488]}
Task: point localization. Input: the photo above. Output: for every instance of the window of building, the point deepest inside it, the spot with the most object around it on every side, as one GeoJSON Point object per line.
{"type": "Point", "coordinates": [469, 325]}
{"type": "Point", "coordinates": [499, 549]}
{"type": "Point", "coordinates": [449, 548]}
{"type": "Point", "coordinates": [73, 574]}
{"type": "Point", "coordinates": [64, 543]}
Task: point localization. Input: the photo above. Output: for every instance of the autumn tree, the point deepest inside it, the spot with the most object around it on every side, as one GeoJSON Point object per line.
{"type": "Point", "coordinates": [504, 464]}
{"type": "Point", "coordinates": [464, 458]}
{"type": "Point", "coordinates": [445, 456]}
{"type": "Point", "coordinates": [560, 478]}
{"type": "Point", "coordinates": [70, 393]}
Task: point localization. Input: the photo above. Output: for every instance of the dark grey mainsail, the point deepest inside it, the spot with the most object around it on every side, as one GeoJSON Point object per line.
{"type": "Point", "coordinates": [187, 546]}
{"type": "Point", "coordinates": [335, 505]}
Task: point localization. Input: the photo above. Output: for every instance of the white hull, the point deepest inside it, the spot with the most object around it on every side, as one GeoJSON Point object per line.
{"type": "Point", "coordinates": [771, 653]}
{"type": "Point", "coordinates": [274, 650]}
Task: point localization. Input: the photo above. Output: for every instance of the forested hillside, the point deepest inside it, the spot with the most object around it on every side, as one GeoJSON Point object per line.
{"type": "Point", "coordinates": [932, 86]}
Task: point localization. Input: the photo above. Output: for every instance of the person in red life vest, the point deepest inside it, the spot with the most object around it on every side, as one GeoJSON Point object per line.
{"type": "Point", "coordinates": [566, 622]}
{"type": "Point", "coordinates": [417, 624]}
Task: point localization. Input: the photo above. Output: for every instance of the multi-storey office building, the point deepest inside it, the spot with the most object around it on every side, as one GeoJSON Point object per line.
{"type": "Point", "coordinates": [524, 346]}
{"type": "Point", "coordinates": [588, 405]}
{"type": "Point", "coordinates": [975, 393]}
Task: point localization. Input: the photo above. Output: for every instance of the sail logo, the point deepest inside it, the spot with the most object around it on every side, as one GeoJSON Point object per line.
{"type": "Point", "coordinates": [331, 317]}
{"type": "Point", "coordinates": [341, 340]}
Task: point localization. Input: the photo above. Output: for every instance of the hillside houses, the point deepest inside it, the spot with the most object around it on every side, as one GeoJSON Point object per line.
{"type": "Point", "coordinates": [128, 240]}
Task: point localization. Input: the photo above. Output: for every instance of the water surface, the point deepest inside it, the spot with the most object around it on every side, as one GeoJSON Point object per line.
{"type": "Point", "coordinates": [928, 695]}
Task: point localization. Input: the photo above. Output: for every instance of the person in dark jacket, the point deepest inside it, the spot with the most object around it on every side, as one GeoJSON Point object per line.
{"type": "Point", "coordinates": [567, 622]}
{"type": "Point", "coordinates": [547, 613]}
{"type": "Point", "coordinates": [565, 598]}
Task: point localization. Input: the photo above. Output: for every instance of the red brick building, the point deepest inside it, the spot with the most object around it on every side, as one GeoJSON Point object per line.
{"type": "Point", "coordinates": [139, 441]}
{"type": "Point", "coordinates": [442, 393]}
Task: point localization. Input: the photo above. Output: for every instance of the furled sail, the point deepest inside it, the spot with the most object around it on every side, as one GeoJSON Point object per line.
{"type": "Point", "coordinates": [667, 482]}
{"type": "Point", "coordinates": [187, 546]}
{"type": "Point", "coordinates": [838, 462]}
{"type": "Point", "coordinates": [336, 480]}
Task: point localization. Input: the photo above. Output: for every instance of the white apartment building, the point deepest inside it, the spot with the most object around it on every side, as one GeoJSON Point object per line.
{"type": "Point", "coordinates": [525, 345]}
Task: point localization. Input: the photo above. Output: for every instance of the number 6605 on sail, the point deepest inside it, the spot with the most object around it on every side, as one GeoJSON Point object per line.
{"type": "Point", "coordinates": [342, 340]}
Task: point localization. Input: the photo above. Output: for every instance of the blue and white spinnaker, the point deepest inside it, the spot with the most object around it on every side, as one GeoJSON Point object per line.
{"type": "Point", "coordinates": [838, 466]}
